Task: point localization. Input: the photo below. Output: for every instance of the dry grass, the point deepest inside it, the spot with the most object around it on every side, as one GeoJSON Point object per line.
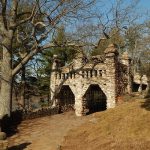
{"type": "Point", "coordinates": [126, 127]}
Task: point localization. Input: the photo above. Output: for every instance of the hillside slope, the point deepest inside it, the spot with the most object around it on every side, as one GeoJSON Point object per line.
{"type": "Point", "coordinates": [126, 127]}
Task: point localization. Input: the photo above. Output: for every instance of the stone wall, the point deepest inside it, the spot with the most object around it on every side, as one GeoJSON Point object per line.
{"type": "Point", "coordinates": [40, 113]}
{"type": "Point", "coordinates": [82, 73]}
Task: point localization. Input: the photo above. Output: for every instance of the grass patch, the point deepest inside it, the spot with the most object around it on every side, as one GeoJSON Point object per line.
{"type": "Point", "coordinates": [125, 127]}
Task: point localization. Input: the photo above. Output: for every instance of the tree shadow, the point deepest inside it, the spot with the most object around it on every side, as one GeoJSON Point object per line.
{"type": "Point", "coordinates": [20, 146]}
{"type": "Point", "coordinates": [146, 104]}
{"type": "Point", "coordinates": [9, 124]}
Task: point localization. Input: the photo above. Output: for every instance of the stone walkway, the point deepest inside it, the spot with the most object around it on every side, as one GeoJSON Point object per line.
{"type": "Point", "coordinates": [44, 133]}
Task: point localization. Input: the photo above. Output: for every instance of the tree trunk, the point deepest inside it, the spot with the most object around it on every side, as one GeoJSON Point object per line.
{"type": "Point", "coordinates": [23, 87]}
{"type": "Point", "coordinates": [6, 83]}
{"type": "Point", "coordinates": [148, 88]}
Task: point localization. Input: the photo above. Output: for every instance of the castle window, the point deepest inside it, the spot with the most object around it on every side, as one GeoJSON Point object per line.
{"type": "Point", "coordinates": [83, 74]}
{"type": "Point", "coordinates": [59, 75]}
{"type": "Point", "coordinates": [95, 73]}
{"type": "Point", "coordinates": [70, 75]}
{"type": "Point", "coordinates": [87, 74]}
{"type": "Point", "coordinates": [63, 75]}
{"type": "Point", "coordinates": [56, 75]}
{"type": "Point", "coordinates": [74, 74]}
{"type": "Point", "coordinates": [91, 73]}
{"type": "Point", "coordinates": [67, 75]}
{"type": "Point", "coordinates": [100, 73]}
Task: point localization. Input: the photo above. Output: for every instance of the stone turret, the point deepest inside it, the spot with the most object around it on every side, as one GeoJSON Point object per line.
{"type": "Point", "coordinates": [126, 60]}
{"type": "Point", "coordinates": [111, 50]}
{"type": "Point", "coordinates": [55, 62]}
{"type": "Point", "coordinates": [78, 61]}
{"type": "Point", "coordinates": [53, 84]}
{"type": "Point", "coordinates": [111, 54]}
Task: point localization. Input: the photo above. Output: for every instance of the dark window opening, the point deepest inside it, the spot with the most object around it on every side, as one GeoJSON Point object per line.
{"type": "Point", "coordinates": [87, 74]}
{"type": "Point", "coordinates": [70, 75]}
{"type": "Point", "coordinates": [82, 74]}
{"type": "Point", "coordinates": [59, 75]}
{"type": "Point", "coordinates": [67, 75]}
{"type": "Point", "coordinates": [100, 73]}
{"type": "Point", "coordinates": [63, 75]}
{"type": "Point", "coordinates": [95, 73]}
{"type": "Point", "coordinates": [91, 73]}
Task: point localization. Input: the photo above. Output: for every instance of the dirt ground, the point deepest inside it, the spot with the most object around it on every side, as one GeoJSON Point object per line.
{"type": "Point", "coordinates": [126, 127]}
{"type": "Point", "coordinates": [45, 133]}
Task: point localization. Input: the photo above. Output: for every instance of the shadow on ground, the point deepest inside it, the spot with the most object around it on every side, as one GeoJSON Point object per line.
{"type": "Point", "coordinates": [146, 104]}
{"type": "Point", "coordinates": [9, 124]}
{"type": "Point", "coordinates": [19, 147]}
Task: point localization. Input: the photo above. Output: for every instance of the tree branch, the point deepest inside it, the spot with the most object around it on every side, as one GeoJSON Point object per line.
{"type": "Point", "coordinates": [29, 56]}
{"type": "Point", "coordinates": [13, 26]}
{"type": "Point", "coordinates": [4, 4]}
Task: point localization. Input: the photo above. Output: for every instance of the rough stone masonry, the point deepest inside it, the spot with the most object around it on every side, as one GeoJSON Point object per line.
{"type": "Point", "coordinates": [110, 73]}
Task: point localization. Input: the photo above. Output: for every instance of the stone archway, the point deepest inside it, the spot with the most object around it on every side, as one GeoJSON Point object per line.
{"type": "Point", "coordinates": [95, 99]}
{"type": "Point", "coordinates": [66, 98]}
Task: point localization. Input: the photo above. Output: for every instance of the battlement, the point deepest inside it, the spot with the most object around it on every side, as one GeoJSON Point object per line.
{"type": "Point", "coordinates": [89, 70]}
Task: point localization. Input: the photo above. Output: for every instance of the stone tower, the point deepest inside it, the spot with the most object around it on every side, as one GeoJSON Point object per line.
{"type": "Point", "coordinates": [126, 60]}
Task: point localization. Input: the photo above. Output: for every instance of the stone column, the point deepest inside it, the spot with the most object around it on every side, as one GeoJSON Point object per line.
{"type": "Point", "coordinates": [126, 61]}
{"type": "Point", "coordinates": [53, 79]}
{"type": "Point", "coordinates": [80, 101]}
{"type": "Point", "coordinates": [140, 87]}
{"type": "Point", "coordinates": [78, 105]}
{"type": "Point", "coordinates": [111, 54]}
{"type": "Point", "coordinates": [148, 89]}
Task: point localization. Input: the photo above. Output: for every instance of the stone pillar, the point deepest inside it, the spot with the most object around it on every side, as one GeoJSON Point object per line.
{"type": "Point", "coordinates": [127, 61]}
{"type": "Point", "coordinates": [79, 59]}
{"type": "Point", "coordinates": [140, 87]}
{"type": "Point", "coordinates": [53, 79]}
{"type": "Point", "coordinates": [148, 89]}
{"type": "Point", "coordinates": [111, 55]}
{"type": "Point", "coordinates": [85, 107]}
{"type": "Point", "coordinates": [78, 105]}
{"type": "Point", "coordinates": [80, 101]}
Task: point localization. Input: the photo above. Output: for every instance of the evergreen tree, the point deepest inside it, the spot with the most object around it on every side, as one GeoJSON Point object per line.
{"type": "Point", "coordinates": [65, 54]}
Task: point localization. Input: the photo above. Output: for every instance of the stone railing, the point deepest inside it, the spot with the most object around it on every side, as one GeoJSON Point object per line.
{"type": "Point", "coordinates": [84, 74]}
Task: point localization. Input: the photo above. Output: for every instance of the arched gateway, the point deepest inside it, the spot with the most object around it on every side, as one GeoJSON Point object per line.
{"type": "Point", "coordinates": [91, 84]}
{"type": "Point", "coordinates": [95, 99]}
{"type": "Point", "coordinates": [66, 98]}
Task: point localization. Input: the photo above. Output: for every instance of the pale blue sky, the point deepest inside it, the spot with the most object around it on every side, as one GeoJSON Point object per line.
{"type": "Point", "coordinates": [145, 4]}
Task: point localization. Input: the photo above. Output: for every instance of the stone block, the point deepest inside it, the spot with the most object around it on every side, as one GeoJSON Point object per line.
{"type": "Point", "coordinates": [2, 136]}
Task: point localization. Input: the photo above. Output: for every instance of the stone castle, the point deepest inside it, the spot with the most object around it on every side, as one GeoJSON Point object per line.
{"type": "Point", "coordinates": [93, 84]}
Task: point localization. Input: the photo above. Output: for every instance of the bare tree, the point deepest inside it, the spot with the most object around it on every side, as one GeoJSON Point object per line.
{"type": "Point", "coordinates": [108, 19]}
{"type": "Point", "coordinates": [34, 40]}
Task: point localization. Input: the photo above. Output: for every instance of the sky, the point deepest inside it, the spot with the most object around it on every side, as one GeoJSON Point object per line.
{"type": "Point", "coordinates": [105, 5]}
{"type": "Point", "coordinates": [145, 4]}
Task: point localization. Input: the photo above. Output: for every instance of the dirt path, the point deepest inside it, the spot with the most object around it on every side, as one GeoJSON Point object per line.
{"type": "Point", "coordinates": [44, 133]}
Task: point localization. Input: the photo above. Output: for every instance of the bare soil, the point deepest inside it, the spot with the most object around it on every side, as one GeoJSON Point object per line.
{"type": "Point", "coordinates": [45, 133]}
{"type": "Point", "coordinates": [125, 127]}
